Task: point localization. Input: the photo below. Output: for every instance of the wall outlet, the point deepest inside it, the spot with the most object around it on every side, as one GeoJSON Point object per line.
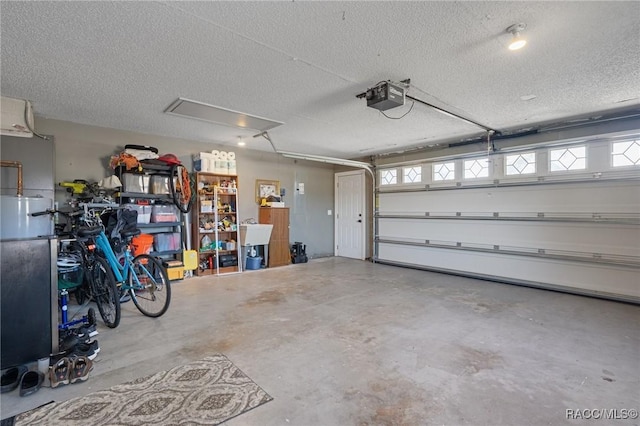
{"type": "Point", "coordinates": [328, 212]}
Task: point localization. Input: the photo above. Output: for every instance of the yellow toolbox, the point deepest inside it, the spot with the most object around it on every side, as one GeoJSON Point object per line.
{"type": "Point", "coordinates": [175, 269]}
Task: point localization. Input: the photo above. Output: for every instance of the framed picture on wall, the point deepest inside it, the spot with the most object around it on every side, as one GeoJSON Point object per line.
{"type": "Point", "coordinates": [266, 188]}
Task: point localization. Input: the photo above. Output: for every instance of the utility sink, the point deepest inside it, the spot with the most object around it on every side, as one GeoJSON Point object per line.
{"type": "Point", "coordinates": [255, 234]}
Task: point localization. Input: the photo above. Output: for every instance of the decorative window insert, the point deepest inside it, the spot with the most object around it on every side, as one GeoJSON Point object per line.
{"type": "Point", "coordinates": [476, 168]}
{"type": "Point", "coordinates": [388, 177]}
{"type": "Point", "coordinates": [412, 174]}
{"type": "Point", "coordinates": [565, 159]}
{"type": "Point", "coordinates": [625, 153]}
{"type": "Point", "coordinates": [520, 164]}
{"type": "Point", "coordinates": [444, 171]}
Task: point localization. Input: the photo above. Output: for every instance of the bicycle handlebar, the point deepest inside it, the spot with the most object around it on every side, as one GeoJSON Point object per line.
{"type": "Point", "coordinates": [53, 211]}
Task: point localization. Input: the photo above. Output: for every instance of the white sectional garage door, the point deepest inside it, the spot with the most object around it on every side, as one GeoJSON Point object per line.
{"type": "Point", "coordinates": [561, 217]}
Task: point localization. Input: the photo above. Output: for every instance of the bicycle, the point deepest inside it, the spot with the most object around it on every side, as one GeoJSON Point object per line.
{"type": "Point", "coordinates": [142, 276]}
{"type": "Point", "coordinates": [79, 264]}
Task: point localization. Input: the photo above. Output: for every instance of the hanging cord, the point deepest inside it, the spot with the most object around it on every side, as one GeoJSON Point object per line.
{"type": "Point", "coordinates": [181, 189]}
{"type": "Point", "coordinates": [490, 147]}
{"type": "Point", "coordinates": [26, 120]}
{"type": "Point", "coordinates": [402, 116]}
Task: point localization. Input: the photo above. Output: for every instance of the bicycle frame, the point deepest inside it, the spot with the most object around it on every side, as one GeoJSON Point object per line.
{"type": "Point", "coordinates": [120, 271]}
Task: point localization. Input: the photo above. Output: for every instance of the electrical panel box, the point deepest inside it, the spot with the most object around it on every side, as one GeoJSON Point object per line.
{"type": "Point", "coordinates": [385, 96]}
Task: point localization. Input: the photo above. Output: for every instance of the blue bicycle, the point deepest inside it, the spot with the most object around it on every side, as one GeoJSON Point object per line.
{"type": "Point", "coordinates": [142, 276]}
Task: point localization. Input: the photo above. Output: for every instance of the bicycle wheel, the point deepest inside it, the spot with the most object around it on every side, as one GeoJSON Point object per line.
{"type": "Point", "coordinates": [105, 292]}
{"type": "Point", "coordinates": [151, 293]}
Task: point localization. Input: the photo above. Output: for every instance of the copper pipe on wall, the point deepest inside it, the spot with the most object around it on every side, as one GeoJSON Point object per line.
{"type": "Point", "coordinates": [18, 165]}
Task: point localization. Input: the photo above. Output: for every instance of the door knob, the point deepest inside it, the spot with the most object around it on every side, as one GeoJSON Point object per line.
{"type": "Point", "coordinates": [359, 220]}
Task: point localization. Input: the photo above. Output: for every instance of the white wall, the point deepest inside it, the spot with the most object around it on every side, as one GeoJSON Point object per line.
{"type": "Point", "coordinates": [83, 152]}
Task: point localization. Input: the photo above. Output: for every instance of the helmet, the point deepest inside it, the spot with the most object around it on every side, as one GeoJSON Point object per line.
{"type": "Point", "coordinates": [68, 262]}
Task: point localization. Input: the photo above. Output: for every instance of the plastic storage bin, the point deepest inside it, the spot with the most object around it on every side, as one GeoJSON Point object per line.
{"type": "Point", "coordinates": [132, 182]}
{"type": "Point", "coordinates": [167, 241]}
{"type": "Point", "coordinates": [226, 260]}
{"type": "Point", "coordinates": [164, 213]}
{"type": "Point", "coordinates": [144, 212]}
{"type": "Point", "coordinates": [254, 262]}
{"type": "Point", "coordinates": [160, 184]}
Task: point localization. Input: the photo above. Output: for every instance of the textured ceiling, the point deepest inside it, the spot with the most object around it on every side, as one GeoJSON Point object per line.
{"type": "Point", "coordinates": [120, 64]}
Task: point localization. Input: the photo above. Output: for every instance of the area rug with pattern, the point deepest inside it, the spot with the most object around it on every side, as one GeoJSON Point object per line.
{"type": "Point", "coordinates": [205, 392]}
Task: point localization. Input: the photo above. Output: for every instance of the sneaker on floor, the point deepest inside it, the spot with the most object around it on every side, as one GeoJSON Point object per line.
{"type": "Point", "coordinates": [90, 350]}
{"type": "Point", "coordinates": [82, 365]}
{"type": "Point", "coordinates": [87, 330]}
{"type": "Point", "coordinates": [68, 342]}
{"type": "Point", "coordinates": [60, 372]}
{"type": "Point", "coordinates": [125, 297]}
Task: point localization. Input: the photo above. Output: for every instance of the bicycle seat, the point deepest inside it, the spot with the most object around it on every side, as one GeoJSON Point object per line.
{"type": "Point", "coordinates": [89, 232]}
{"type": "Point", "coordinates": [129, 234]}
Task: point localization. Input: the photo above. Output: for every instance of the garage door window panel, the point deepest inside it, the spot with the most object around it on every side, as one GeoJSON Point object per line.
{"type": "Point", "coordinates": [412, 174]}
{"type": "Point", "coordinates": [625, 154]}
{"type": "Point", "coordinates": [520, 164]}
{"type": "Point", "coordinates": [444, 171]}
{"type": "Point", "coordinates": [476, 168]}
{"type": "Point", "coordinates": [568, 159]}
{"type": "Point", "coordinates": [388, 177]}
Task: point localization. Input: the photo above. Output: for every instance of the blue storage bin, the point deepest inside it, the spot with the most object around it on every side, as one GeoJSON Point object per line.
{"type": "Point", "coordinates": [254, 262]}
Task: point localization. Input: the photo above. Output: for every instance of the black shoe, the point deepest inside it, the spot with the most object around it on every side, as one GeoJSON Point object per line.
{"type": "Point", "coordinates": [90, 350]}
{"type": "Point", "coordinates": [31, 382]}
{"type": "Point", "coordinates": [73, 336]}
{"type": "Point", "coordinates": [11, 378]}
{"type": "Point", "coordinates": [68, 342]}
{"type": "Point", "coordinates": [87, 331]}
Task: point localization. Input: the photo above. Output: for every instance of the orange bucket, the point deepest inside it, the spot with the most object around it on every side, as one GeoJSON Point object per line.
{"type": "Point", "coordinates": [142, 244]}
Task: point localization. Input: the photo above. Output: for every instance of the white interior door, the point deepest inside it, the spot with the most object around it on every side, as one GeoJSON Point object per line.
{"type": "Point", "coordinates": [350, 215]}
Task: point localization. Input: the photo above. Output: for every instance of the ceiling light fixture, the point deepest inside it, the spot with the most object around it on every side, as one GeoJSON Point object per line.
{"type": "Point", "coordinates": [517, 42]}
{"type": "Point", "coordinates": [241, 142]}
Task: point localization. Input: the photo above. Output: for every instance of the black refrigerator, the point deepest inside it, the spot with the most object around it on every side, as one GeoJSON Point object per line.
{"type": "Point", "coordinates": [28, 273]}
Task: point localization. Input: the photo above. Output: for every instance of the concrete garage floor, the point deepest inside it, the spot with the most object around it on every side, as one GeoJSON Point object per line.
{"type": "Point", "coordinates": [344, 342]}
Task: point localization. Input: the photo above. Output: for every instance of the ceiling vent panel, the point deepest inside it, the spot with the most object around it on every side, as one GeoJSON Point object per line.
{"type": "Point", "coordinates": [218, 115]}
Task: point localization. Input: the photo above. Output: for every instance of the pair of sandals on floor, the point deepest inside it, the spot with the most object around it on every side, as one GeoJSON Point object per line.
{"type": "Point", "coordinates": [70, 370]}
{"type": "Point", "coordinates": [28, 381]}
